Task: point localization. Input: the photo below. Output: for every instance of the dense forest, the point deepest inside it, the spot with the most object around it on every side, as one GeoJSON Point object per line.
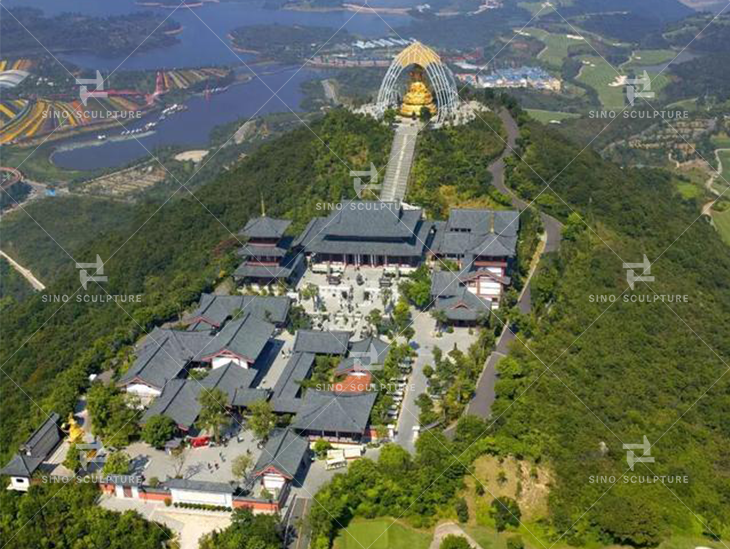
{"type": "Point", "coordinates": [451, 167]}
{"type": "Point", "coordinates": [65, 516]}
{"type": "Point", "coordinates": [13, 287]}
{"type": "Point", "coordinates": [114, 35]}
{"type": "Point", "coordinates": [620, 371]}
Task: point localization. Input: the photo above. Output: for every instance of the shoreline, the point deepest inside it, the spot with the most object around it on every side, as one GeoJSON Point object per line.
{"type": "Point", "coordinates": [358, 8]}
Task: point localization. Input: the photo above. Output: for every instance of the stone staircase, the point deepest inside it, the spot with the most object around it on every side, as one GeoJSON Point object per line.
{"type": "Point", "coordinates": [399, 163]}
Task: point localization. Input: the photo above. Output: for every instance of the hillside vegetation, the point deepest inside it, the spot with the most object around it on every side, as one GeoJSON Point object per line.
{"type": "Point", "coordinates": [621, 371]}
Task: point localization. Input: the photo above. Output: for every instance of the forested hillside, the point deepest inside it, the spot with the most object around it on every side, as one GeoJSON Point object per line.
{"type": "Point", "coordinates": [169, 254]}
{"type": "Point", "coordinates": [620, 371]}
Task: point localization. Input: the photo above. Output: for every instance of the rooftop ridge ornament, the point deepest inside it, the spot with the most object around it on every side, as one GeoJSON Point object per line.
{"type": "Point", "coordinates": [439, 76]}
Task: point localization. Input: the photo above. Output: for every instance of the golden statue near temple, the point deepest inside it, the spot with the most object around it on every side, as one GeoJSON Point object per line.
{"type": "Point", "coordinates": [73, 429]}
{"type": "Point", "coordinates": [418, 96]}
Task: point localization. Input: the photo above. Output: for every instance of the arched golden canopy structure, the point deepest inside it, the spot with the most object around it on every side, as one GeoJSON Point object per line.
{"type": "Point", "coordinates": [439, 76]}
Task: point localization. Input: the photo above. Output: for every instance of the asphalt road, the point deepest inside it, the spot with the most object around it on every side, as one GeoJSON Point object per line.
{"type": "Point", "coordinates": [481, 403]}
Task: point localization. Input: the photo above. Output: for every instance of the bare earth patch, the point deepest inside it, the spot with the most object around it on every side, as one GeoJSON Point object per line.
{"type": "Point", "coordinates": [529, 485]}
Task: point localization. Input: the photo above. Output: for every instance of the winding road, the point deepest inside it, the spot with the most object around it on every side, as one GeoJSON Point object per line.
{"type": "Point", "coordinates": [481, 403]}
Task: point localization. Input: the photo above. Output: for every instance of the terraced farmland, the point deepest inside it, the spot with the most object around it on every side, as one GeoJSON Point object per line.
{"type": "Point", "coordinates": [15, 65]}
{"type": "Point", "coordinates": [183, 79]}
{"type": "Point", "coordinates": [22, 120]}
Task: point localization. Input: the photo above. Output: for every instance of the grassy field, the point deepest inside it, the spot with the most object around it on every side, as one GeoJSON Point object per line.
{"type": "Point", "coordinates": [722, 223]}
{"type": "Point", "coordinates": [36, 165]}
{"type": "Point", "coordinates": [556, 46]}
{"type": "Point", "coordinates": [689, 190]}
{"type": "Point", "coordinates": [547, 116]}
{"type": "Point", "coordinates": [381, 534]}
{"type": "Point", "coordinates": [644, 58]}
{"type": "Point", "coordinates": [598, 74]}
{"type": "Point", "coordinates": [721, 141]}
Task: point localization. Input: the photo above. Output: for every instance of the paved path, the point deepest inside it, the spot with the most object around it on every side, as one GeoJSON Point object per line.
{"type": "Point", "coordinates": [425, 326]}
{"type": "Point", "coordinates": [399, 163]}
{"type": "Point", "coordinates": [481, 403]}
{"type": "Point", "coordinates": [298, 534]}
{"type": "Point", "coordinates": [451, 529]}
{"type": "Point", "coordinates": [26, 273]}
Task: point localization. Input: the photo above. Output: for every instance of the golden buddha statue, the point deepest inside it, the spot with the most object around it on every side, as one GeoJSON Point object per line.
{"type": "Point", "coordinates": [73, 429]}
{"type": "Point", "coordinates": [417, 96]}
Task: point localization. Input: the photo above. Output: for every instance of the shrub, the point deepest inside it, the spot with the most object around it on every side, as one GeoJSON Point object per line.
{"type": "Point", "coordinates": [515, 542]}
{"type": "Point", "coordinates": [168, 502]}
{"type": "Point", "coordinates": [462, 510]}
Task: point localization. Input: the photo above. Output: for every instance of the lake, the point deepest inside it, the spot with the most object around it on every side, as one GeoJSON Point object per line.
{"type": "Point", "coordinates": [204, 42]}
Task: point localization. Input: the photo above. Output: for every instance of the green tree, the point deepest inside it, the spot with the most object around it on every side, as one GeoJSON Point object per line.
{"type": "Point", "coordinates": [439, 315]}
{"type": "Point", "coordinates": [158, 430]}
{"type": "Point", "coordinates": [117, 463]}
{"type": "Point", "coordinates": [311, 291]}
{"type": "Point", "coordinates": [213, 415]}
{"type": "Point", "coordinates": [375, 319]}
{"type": "Point", "coordinates": [73, 459]}
{"type": "Point", "coordinates": [321, 447]}
{"type": "Point", "coordinates": [113, 419]}
{"type": "Point", "coordinates": [247, 531]}
{"type": "Point", "coordinates": [241, 465]}
{"type": "Point", "coordinates": [454, 542]}
{"type": "Point", "coordinates": [462, 510]}
{"type": "Point", "coordinates": [262, 419]}
{"type": "Point", "coordinates": [573, 227]}
{"type": "Point", "coordinates": [506, 513]}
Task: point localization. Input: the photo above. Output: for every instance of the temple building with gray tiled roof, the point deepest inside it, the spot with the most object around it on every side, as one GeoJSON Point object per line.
{"type": "Point", "coordinates": [240, 341]}
{"type": "Point", "coordinates": [484, 245]}
{"type": "Point", "coordinates": [365, 355]}
{"type": "Point", "coordinates": [368, 233]}
{"type": "Point", "coordinates": [288, 391]}
{"type": "Point", "coordinates": [335, 342]}
{"type": "Point", "coordinates": [267, 253]}
{"type": "Point", "coordinates": [162, 356]}
{"type": "Point", "coordinates": [31, 454]}
{"type": "Point", "coordinates": [179, 399]}
{"type": "Point", "coordinates": [215, 310]}
{"type": "Point", "coordinates": [165, 355]}
{"type": "Point", "coordinates": [282, 459]}
{"type": "Point", "coordinates": [339, 417]}
{"type": "Point", "coordinates": [451, 293]}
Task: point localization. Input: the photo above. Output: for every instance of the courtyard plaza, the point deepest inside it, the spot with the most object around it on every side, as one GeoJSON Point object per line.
{"type": "Point", "coordinates": [199, 463]}
{"type": "Point", "coordinates": [346, 305]}
{"type": "Point", "coordinates": [351, 315]}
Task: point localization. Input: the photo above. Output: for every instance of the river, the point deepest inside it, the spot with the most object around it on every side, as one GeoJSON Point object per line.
{"type": "Point", "coordinates": [203, 42]}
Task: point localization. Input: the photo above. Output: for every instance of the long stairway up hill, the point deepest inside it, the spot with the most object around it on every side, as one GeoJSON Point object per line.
{"type": "Point", "coordinates": [399, 163]}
